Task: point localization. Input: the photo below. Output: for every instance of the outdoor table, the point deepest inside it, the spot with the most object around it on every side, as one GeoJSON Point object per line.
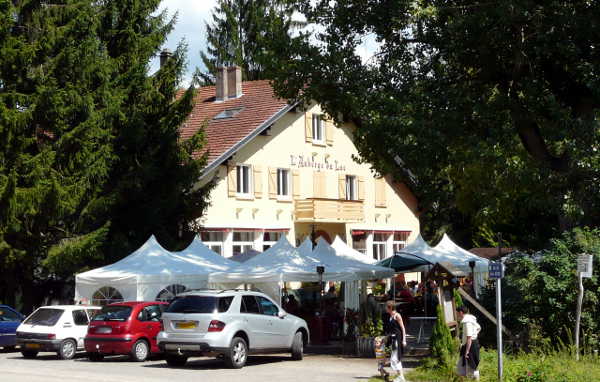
{"type": "Point", "coordinates": [422, 321]}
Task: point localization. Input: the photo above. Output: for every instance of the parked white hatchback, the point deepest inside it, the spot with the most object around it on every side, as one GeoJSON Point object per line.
{"type": "Point", "coordinates": [228, 323]}
{"type": "Point", "coordinates": [56, 328]}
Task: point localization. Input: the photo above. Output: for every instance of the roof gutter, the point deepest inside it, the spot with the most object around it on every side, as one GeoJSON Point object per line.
{"type": "Point", "coordinates": [274, 118]}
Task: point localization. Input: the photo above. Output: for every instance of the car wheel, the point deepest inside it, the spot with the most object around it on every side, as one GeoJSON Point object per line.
{"type": "Point", "coordinates": [297, 347]}
{"type": "Point", "coordinates": [67, 350]}
{"type": "Point", "coordinates": [140, 351]}
{"type": "Point", "coordinates": [95, 357]}
{"type": "Point", "coordinates": [237, 355]}
{"type": "Point", "coordinates": [175, 360]}
{"type": "Point", "coordinates": [29, 354]}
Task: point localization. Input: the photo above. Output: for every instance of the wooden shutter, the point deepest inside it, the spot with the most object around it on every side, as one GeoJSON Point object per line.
{"type": "Point", "coordinates": [329, 131]}
{"type": "Point", "coordinates": [361, 188]}
{"type": "Point", "coordinates": [231, 181]}
{"type": "Point", "coordinates": [380, 192]}
{"type": "Point", "coordinates": [319, 185]}
{"type": "Point", "coordinates": [258, 193]}
{"type": "Point", "coordinates": [342, 186]}
{"type": "Point", "coordinates": [296, 184]}
{"type": "Point", "coordinates": [272, 183]}
{"type": "Point", "coordinates": [308, 127]}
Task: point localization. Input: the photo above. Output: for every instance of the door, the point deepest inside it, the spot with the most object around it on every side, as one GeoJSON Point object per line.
{"type": "Point", "coordinates": [149, 323]}
{"type": "Point", "coordinates": [278, 328]}
{"type": "Point", "coordinates": [257, 323]}
{"type": "Point", "coordinates": [80, 326]}
{"type": "Point", "coordinates": [9, 321]}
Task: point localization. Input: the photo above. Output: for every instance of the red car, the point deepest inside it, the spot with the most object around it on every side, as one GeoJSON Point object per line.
{"type": "Point", "coordinates": [125, 328]}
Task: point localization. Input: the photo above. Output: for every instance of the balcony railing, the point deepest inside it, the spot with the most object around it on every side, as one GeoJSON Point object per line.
{"type": "Point", "coordinates": [329, 210]}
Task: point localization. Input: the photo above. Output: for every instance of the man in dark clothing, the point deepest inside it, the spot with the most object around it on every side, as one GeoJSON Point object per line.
{"type": "Point", "coordinates": [468, 362]}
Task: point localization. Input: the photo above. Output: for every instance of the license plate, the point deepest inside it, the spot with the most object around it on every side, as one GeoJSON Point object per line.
{"type": "Point", "coordinates": [33, 346]}
{"type": "Point", "coordinates": [104, 330]}
{"type": "Point", "coordinates": [185, 325]}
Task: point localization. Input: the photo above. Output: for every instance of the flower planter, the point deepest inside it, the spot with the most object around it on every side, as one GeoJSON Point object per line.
{"type": "Point", "coordinates": [365, 347]}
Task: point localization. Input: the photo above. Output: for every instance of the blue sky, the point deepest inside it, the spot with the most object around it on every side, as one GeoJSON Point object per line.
{"type": "Point", "coordinates": [190, 26]}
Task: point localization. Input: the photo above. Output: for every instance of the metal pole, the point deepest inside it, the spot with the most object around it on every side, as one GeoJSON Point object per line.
{"type": "Point", "coordinates": [499, 327]}
{"type": "Point", "coordinates": [578, 319]}
{"type": "Point", "coordinates": [499, 314]}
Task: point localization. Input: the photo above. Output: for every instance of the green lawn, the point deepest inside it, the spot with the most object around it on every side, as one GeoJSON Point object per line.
{"type": "Point", "coordinates": [533, 367]}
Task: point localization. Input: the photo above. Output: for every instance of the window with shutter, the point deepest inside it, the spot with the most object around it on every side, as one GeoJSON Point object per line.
{"type": "Point", "coordinates": [257, 181]}
{"type": "Point", "coordinates": [380, 192]}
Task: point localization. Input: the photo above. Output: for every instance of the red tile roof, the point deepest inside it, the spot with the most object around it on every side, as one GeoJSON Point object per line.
{"type": "Point", "coordinates": [490, 252]}
{"type": "Point", "coordinates": [259, 104]}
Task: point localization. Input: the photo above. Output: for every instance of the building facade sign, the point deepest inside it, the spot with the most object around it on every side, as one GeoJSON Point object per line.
{"type": "Point", "coordinates": [307, 161]}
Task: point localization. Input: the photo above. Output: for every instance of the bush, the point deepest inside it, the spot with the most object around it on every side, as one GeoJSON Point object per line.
{"type": "Point", "coordinates": [539, 292]}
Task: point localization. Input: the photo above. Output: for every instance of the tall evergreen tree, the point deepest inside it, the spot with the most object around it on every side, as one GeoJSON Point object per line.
{"type": "Point", "coordinates": [238, 32]}
{"type": "Point", "coordinates": [90, 158]}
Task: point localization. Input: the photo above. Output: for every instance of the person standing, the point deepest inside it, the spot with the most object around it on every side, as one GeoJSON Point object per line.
{"type": "Point", "coordinates": [468, 362]}
{"type": "Point", "coordinates": [397, 336]}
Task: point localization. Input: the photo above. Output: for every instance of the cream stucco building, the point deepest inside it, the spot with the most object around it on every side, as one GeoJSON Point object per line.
{"type": "Point", "coordinates": [282, 169]}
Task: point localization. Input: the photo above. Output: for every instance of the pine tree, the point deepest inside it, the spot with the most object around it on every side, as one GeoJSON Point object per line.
{"type": "Point", "coordinates": [441, 343]}
{"type": "Point", "coordinates": [90, 158]}
{"type": "Point", "coordinates": [238, 32]}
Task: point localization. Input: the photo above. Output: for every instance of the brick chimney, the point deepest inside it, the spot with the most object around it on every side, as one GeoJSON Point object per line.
{"type": "Point", "coordinates": [164, 56]}
{"type": "Point", "coordinates": [221, 84]}
{"type": "Point", "coordinates": [234, 78]}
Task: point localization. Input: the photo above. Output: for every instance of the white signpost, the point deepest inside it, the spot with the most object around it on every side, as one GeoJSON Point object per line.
{"type": "Point", "coordinates": [496, 271]}
{"type": "Point", "coordinates": [584, 269]}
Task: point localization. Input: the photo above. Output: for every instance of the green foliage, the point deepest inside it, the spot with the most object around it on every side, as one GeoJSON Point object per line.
{"type": "Point", "coordinates": [441, 344]}
{"type": "Point", "coordinates": [238, 34]}
{"type": "Point", "coordinates": [90, 158]}
{"type": "Point", "coordinates": [458, 301]}
{"type": "Point", "coordinates": [540, 292]}
{"type": "Point", "coordinates": [491, 135]}
{"type": "Point", "coordinates": [371, 325]}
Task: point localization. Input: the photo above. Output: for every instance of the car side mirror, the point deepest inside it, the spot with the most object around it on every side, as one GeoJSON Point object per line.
{"type": "Point", "coordinates": [281, 314]}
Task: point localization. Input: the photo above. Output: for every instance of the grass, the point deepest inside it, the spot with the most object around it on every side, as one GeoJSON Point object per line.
{"type": "Point", "coordinates": [530, 367]}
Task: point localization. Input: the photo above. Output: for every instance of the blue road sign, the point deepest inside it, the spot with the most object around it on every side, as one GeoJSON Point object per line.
{"type": "Point", "coordinates": [496, 270]}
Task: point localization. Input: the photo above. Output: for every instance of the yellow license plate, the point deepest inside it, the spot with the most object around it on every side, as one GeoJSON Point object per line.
{"type": "Point", "coordinates": [185, 325]}
{"type": "Point", "coordinates": [33, 346]}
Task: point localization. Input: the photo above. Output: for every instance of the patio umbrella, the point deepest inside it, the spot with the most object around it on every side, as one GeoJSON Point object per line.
{"type": "Point", "coordinates": [402, 261]}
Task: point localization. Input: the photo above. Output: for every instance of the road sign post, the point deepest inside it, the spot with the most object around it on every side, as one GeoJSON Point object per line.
{"type": "Point", "coordinates": [584, 269]}
{"type": "Point", "coordinates": [496, 271]}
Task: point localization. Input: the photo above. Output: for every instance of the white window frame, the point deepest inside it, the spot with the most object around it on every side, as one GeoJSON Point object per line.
{"type": "Point", "coordinates": [351, 187]}
{"type": "Point", "coordinates": [270, 243]}
{"type": "Point", "coordinates": [378, 245]}
{"type": "Point", "coordinates": [215, 245]}
{"type": "Point", "coordinates": [318, 129]}
{"type": "Point", "coordinates": [398, 245]}
{"type": "Point", "coordinates": [283, 181]}
{"type": "Point", "coordinates": [239, 177]}
{"type": "Point", "coordinates": [244, 244]}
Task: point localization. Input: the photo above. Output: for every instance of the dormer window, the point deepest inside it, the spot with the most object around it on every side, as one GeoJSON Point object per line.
{"type": "Point", "coordinates": [318, 133]}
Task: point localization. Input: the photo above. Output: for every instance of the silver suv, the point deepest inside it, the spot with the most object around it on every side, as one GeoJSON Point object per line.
{"type": "Point", "coordinates": [229, 324]}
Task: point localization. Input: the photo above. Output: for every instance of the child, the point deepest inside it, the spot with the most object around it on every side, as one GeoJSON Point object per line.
{"type": "Point", "coordinates": [380, 356]}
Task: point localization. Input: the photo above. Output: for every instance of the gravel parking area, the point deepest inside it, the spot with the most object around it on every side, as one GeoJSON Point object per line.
{"type": "Point", "coordinates": [46, 367]}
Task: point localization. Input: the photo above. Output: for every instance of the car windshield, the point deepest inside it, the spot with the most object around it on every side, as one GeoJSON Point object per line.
{"type": "Point", "coordinates": [45, 317]}
{"type": "Point", "coordinates": [8, 315]}
{"type": "Point", "coordinates": [199, 304]}
{"type": "Point", "coordinates": [113, 313]}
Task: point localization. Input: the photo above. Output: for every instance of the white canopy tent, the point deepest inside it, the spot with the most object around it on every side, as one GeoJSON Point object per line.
{"type": "Point", "coordinates": [342, 249]}
{"type": "Point", "coordinates": [149, 270]}
{"type": "Point", "coordinates": [448, 252]}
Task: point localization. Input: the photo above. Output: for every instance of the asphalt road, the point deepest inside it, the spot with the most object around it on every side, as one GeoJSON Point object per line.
{"type": "Point", "coordinates": [46, 367]}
